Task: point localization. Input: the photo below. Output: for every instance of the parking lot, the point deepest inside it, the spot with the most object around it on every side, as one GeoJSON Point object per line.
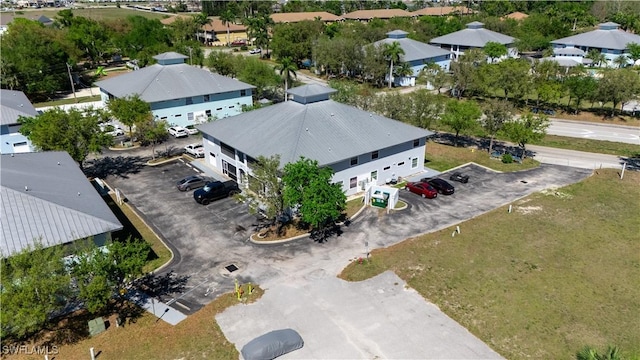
{"type": "Point", "coordinates": [209, 238]}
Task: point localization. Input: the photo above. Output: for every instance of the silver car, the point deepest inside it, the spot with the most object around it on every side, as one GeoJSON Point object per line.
{"type": "Point", "coordinates": [191, 182]}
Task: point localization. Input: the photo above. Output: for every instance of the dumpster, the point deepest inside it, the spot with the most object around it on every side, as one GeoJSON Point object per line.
{"type": "Point", "coordinates": [380, 199]}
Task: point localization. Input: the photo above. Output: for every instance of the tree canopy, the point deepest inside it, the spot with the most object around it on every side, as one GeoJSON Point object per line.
{"type": "Point", "coordinates": [461, 116]}
{"type": "Point", "coordinates": [74, 131]}
{"type": "Point", "coordinates": [527, 129]}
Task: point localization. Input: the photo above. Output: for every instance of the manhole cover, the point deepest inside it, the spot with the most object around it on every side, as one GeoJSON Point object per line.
{"type": "Point", "coordinates": [231, 268]}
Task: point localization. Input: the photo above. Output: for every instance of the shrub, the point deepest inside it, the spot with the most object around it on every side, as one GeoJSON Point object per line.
{"type": "Point", "coordinates": [244, 48]}
{"type": "Point", "coordinates": [507, 158]}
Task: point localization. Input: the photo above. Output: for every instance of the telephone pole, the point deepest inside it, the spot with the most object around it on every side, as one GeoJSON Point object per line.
{"type": "Point", "coordinates": [73, 87]}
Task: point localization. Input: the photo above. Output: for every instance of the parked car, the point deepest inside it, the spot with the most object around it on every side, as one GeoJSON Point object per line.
{"type": "Point", "coordinates": [195, 150]}
{"type": "Point", "coordinates": [191, 182]}
{"type": "Point", "coordinates": [191, 130]}
{"type": "Point", "coordinates": [442, 186]}
{"type": "Point", "coordinates": [536, 110]}
{"type": "Point", "coordinates": [255, 51]}
{"type": "Point", "coordinates": [272, 344]}
{"type": "Point", "coordinates": [422, 188]}
{"type": "Point", "coordinates": [115, 132]}
{"type": "Point", "coordinates": [459, 177]}
{"type": "Point", "coordinates": [178, 131]}
{"type": "Point", "coordinates": [239, 43]}
{"type": "Point", "coordinates": [215, 190]}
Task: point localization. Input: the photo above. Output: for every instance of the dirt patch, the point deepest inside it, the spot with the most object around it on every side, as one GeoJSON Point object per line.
{"type": "Point", "coordinates": [288, 231]}
{"type": "Point", "coordinates": [528, 209]}
{"type": "Point", "coordinates": [556, 193]}
{"type": "Point", "coordinates": [600, 119]}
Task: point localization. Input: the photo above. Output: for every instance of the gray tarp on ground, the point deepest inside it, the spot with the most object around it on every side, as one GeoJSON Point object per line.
{"type": "Point", "coordinates": [272, 344]}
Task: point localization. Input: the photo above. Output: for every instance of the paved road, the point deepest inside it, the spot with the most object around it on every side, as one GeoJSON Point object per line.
{"type": "Point", "coordinates": [595, 131]}
{"type": "Point", "coordinates": [580, 159]}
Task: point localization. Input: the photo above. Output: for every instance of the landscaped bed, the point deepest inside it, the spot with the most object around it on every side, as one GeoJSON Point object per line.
{"type": "Point", "coordinates": [558, 273]}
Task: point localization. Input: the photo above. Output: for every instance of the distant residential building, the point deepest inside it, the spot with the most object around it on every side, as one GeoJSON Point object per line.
{"type": "Point", "coordinates": [608, 39]}
{"type": "Point", "coordinates": [417, 54]}
{"type": "Point", "coordinates": [46, 198]}
{"type": "Point", "coordinates": [475, 36]}
{"type": "Point", "coordinates": [295, 17]}
{"type": "Point", "coordinates": [444, 11]}
{"type": "Point", "coordinates": [215, 33]}
{"type": "Point", "coordinates": [180, 93]}
{"type": "Point", "coordinates": [568, 57]}
{"type": "Point", "coordinates": [360, 147]}
{"type": "Point", "coordinates": [384, 14]}
{"type": "Point", "coordinates": [13, 105]}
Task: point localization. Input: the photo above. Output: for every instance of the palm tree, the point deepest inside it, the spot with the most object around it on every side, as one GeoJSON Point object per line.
{"type": "Point", "coordinates": [227, 18]}
{"type": "Point", "coordinates": [258, 29]}
{"type": "Point", "coordinates": [201, 20]}
{"type": "Point", "coordinates": [392, 52]}
{"type": "Point", "coordinates": [597, 57]}
{"type": "Point", "coordinates": [621, 61]}
{"type": "Point", "coordinates": [287, 68]}
{"type": "Point", "coordinates": [403, 69]}
{"type": "Point", "coordinates": [589, 353]}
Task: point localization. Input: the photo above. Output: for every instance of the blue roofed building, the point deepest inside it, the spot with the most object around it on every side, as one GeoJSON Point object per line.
{"type": "Point", "coordinates": [475, 36]}
{"type": "Point", "coordinates": [360, 147]}
{"type": "Point", "coordinates": [608, 39]}
{"type": "Point", "coordinates": [180, 93]}
{"type": "Point", "coordinates": [45, 198]}
{"type": "Point", "coordinates": [417, 54]}
{"type": "Point", "coordinates": [13, 105]}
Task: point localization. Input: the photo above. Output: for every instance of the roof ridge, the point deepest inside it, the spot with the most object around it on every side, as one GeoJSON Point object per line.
{"type": "Point", "coordinates": [300, 132]}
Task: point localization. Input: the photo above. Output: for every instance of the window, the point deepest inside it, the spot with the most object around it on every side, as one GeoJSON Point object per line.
{"type": "Point", "coordinates": [23, 143]}
{"type": "Point", "coordinates": [414, 163]}
{"type": "Point", "coordinates": [240, 156]}
{"type": "Point", "coordinates": [354, 161]}
{"type": "Point", "coordinates": [163, 118]}
{"type": "Point", "coordinates": [353, 182]}
{"type": "Point", "coordinates": [243, 92]}
{"type": "Point", "coordinates": [386, 168]}
{"type": "Point", "coordinates": [227, 150]}
{"type": "Point", "coordinates": [374, 155]}
{"type": "Point", "coordinates": [189, 100]}
{"type": "Point", "coordinates": [401, 163]}
{"type": "Point", "coordinates": [190, 116]}
{"type": "Point", "coordinates": [206, 98]}
{"type": "Point", "coordinates": [416, 142]}
{"type": "Point", "coordinates": [179, 115]}
{"type": "Point", "coordinates": [374, 175]}
{"type": "Point", "coordinates": [208, 113]}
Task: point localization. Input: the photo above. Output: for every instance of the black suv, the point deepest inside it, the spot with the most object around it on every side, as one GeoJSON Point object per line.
{"type": "Point", "coordinates": [215, 190]}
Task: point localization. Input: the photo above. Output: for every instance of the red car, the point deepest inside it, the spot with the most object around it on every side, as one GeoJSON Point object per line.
{"type": "Point", "coordinates": [422, 188]}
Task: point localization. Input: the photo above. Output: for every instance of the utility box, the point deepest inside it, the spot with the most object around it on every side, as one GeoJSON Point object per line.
{"type": "Point", "coordinates": [380, 199]}
{"type": "Point", "coordinates": [96, 326]}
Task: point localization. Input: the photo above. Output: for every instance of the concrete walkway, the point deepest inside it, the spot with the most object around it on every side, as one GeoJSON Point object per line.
{"type": "Point", "coordinates": [157, 308]}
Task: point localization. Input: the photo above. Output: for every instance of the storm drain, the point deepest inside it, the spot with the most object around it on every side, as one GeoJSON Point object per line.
{"type": "Point", "coordinates": [231, 268]}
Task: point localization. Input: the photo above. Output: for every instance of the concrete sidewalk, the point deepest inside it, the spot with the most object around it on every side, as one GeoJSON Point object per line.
{"type": "Point", "coordinates": [157, 308]}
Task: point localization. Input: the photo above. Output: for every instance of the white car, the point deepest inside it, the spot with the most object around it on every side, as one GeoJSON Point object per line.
{"type": "Point", "coordinates": [195, 150]}
{"type": "Point", "coordinates": [178, 131]}
{"type": "Point", "coordinates": [255, 51]}
{"type": "Point", "coordinates": [116, 132]}
{"type": "Point", "coordinates": [191, 130]}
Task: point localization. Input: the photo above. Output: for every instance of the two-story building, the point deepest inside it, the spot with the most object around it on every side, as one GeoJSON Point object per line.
{"type": "Point", "coordinates": [608, 39]}
{"type": "Point", "coordinates": [417, 54]}
{"type": "Point", "coordinates": [13, 105]}
{"type": "Point", "coordinates": [475, 36]}
{"type": "Point", "coordinates": [180, 93]}
{"type": "Point", "coordinates": [46, 199]}
{"type": "Point", "coordinates": [360, 147]}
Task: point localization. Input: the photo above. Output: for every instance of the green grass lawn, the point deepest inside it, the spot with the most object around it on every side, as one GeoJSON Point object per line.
{"type": "Point", "coordinates": [444, 157]}
{"type": "Point", "coordinates": [68, 101]}
{"type": "Point", "coordinates": [558, 273]}
{"type": "Point", "coordinates": [96, 13]}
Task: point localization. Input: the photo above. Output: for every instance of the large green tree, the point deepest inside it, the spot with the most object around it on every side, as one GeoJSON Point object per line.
{"type": "Point", "coordinates": [309, 186]}
{"type": "Point", "coordinates": [634, 52]}
{"type": "Point", "coordinates": [464, 71]}
{"type": "Point", "coordinates": [74, 131]}
{"type": "Point", "coordinates": [227, 18]}
{"type": "Point", "coordinates": [618, 86]}
{"type": "Point", "coordinates": [527, 129]}
{"type": "Point", "coordinates": [224, 63]}
{"type": "Point", "coordinates": [130, 111]}
{"type": "Point", "coordinates": [295, 40]}
{"type": "Point", "coordinates": [34, 59]}
{"type": "Point", "coordinates": [259, 74]}
{"type": "Point", "coordinates": [434, 75]}
{"type": "Point", "coordinates": [461, 116]}
{"type": "Point", "coordinates": [496, 114]}
{"type": "Point", "coordinates": [393, 53]}
{"type": "Point", "coordinates": [264, 188]}
{"type": "Point", "coordinates": [581, 88]}
{"type": "Point", "coordinates": [494, 50]}
{"type": "Point", "coordinates": [35, 284]}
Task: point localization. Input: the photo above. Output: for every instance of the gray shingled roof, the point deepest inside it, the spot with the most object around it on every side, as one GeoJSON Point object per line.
{"type": "Point", "coordinates": [14, 104]}
{"type": "Point", "coordinates": [326, 131]}
{"type": "Point", "coordinates": [167, 82]}
{"type": "Point", "coordinates": [568, 51]}
{"type": "Point", "coordinates": [475, 36]}
{"type": "Point", "coordinates": [607, 36]}
{"type": "Point", "coordinates": [59, 206]}
{"type": "Point", "coordinates": [170, 55]}
{"type": "Point", "coordinates": [413, 50]}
